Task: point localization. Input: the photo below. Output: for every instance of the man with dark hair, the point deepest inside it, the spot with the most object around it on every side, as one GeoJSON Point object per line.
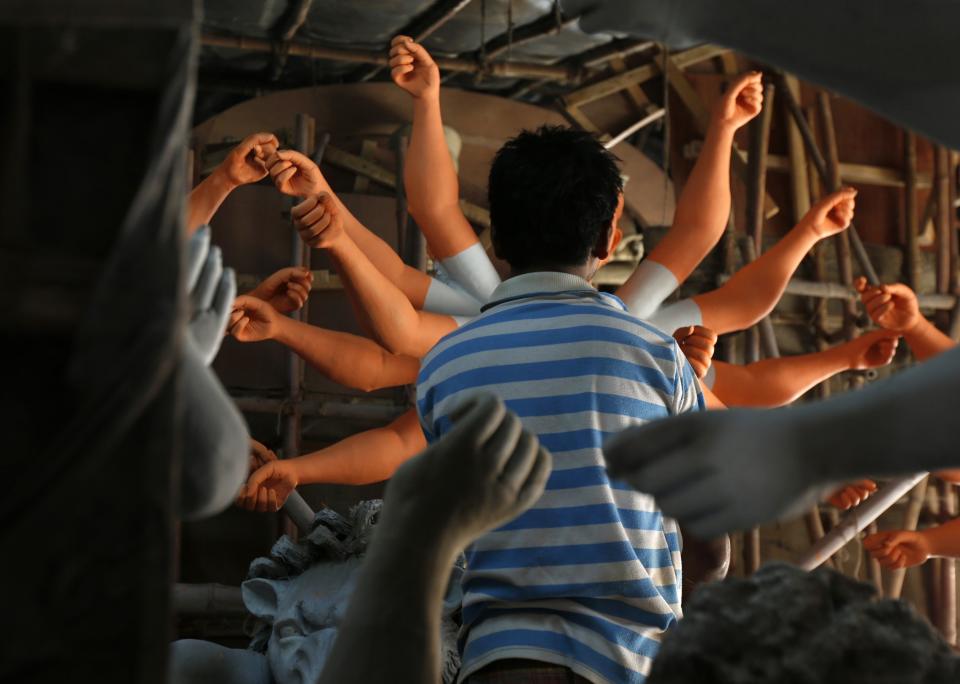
{"type": "Point", "coordinates": [553, 197]}
{"type": "Point", "coordinates": [581, 586]}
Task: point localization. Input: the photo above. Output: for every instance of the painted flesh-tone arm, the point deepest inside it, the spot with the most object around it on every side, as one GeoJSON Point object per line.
{"type": "Point", "coordinates": [745, 467]}
{"type": "Point", "coordinates": [853, 58]}
{"type": "Point", "coordinates": [347, 359]}
{"type": "Point", "coordinates": [245, 164]}
{"type": "Point", "coordinates": [473, 480]}
{"type": "Point", "coordinates": [703, 208]}
{"type": "Point", "coordinates": [927, 341]}
{"type": "Point", "coordinates": [755, 289]}
{"type": "Point", "coordinates": [371, 456]}
{"type": "Point", "coordinates": [906, 548]}
{"type": "Point", "coordinates": [778, 382]}
{"type": "Point", "coordinates": [401, 328]}
{"type": "Point", "coordinates": [296, 174]}
{"type": "Point", "coordinates": [204, 200]}
{"type": "Point", "coordinates": [430, 176]}
{"type": "Point", "coordinates": [895, 308]}
{"type": "Point", "coordinates": [364, 458]}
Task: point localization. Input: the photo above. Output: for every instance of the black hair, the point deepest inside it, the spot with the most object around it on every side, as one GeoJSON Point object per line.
{"type": "Point", "coordinates": [553, 193]}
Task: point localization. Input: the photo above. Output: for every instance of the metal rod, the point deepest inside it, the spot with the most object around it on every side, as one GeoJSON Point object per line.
{"type": "Point", "coordinates": [555, 72]}
{"type": "Point", "coordinates": [320, 408]}
{"type": "Point", "coordinates": [630, 130]}
{"type": "Point", "coordinates": [546, 25]}
{"type": "Point", "coordinates": [856, 520]}
{"type": "Point", "coordinates": [810, 288]}
{"type": "Point", "coordinates": [813, 151]}
{"type": "Point", "coordinates": [298, 510]}
{"type": "Point", "coordinates": [910, 519]}
{"type": "Point", "coordinates": [422, 26]}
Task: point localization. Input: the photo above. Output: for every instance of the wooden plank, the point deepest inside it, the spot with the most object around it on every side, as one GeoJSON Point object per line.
{"type": "Point", "coordinates": [638, 75]}
{"type": "Point", "coordinates": [633, 91]}
{"type": "Point", "coordinates": [368, 150]}
{"type": "Point", "coordinates": [579, 118]}
{"type": "Point", "coordinates": [863, 174]}
{"type": "Point", "coordinates": [357, 164]}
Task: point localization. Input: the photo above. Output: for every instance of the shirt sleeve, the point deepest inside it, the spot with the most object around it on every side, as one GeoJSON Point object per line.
{"type": "Point", "coordinates": [688, 395]}
{"type": "Point", "coordinates": [425, 409]}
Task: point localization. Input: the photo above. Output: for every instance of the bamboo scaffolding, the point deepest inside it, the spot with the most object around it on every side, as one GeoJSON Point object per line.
{"type": "Point", "coordinates": [856, 520]}
{"type": "Point", "coordinates": [910, 519]}
{"type": "Point", "coordinates": [820, 164]}
{"type": "Point", "coordinates": [565, 74]}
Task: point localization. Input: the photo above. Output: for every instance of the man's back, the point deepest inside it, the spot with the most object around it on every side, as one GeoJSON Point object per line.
{"type": "Point", "coordinates": [589, 577]}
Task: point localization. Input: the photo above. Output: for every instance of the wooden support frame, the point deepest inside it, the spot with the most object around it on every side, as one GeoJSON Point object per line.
{"type": "Point", "coordinates": [638, 75]}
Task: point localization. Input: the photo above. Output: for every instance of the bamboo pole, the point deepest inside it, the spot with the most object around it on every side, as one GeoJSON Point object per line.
{"type": "Point", "coordinates": [873, 565]}
{"type": "Point", "coordinates": [304, 130]}
{"type": "Point", "coordinates": [943, 224]}
{"type": "Point", "coordinates": [820, 164]}
{"type": "Point", "coordinates": [842, 239]}
{"type": "Point", "coordinates": [948, 572]}
{"type": "Point", "coordinates": [857, 519]}
{"type": "Point", "coordinates": [911, 223]}
{"type": "Point", "coordinates": [560, 73]}
{"type": "Point", "coordinates": [911, 518]}
{"type": "Point", "coordinates": [756, 191]}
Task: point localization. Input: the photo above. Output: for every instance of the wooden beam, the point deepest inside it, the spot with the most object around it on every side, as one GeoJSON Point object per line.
{"type": "Point", "coordinates": [378, 174]}
{"type": "Point", "coordinates": [862, 174]}
{"type": "Point", "coordinates": [633, 91]}
{"type": "Point", "coordinates": [796, 156]}
{"type": "Point", "coordinates": [555, 72]}
{"type": "Point", "coordinates": [638, 75]}
{"type": "Point", "coordinates": [684, 89]}
{"type": "Point", "coordinates": [757, 169]}
{"type": "Point", "coordinates": [911, 219]}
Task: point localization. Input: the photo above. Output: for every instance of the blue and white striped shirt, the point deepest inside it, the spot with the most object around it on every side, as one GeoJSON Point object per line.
{"type": "Point", "coordinates": [589, 577]}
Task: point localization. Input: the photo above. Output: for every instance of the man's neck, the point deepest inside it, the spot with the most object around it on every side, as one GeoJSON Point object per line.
{"type": "Point", "coordinates": [585, 271]}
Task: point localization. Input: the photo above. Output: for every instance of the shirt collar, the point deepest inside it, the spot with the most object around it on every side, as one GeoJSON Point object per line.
{"type": "Point", "coordinates": [538, 283]}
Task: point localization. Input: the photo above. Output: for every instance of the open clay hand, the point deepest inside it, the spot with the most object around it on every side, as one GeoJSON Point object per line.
{"type": "Point", "coordinates": [246, 162]}
{"type": "Point", "coordinates": [901, 549]}
{"type": "Point", "coordinates": [286, 290]}
{"type": "Point", "coordinates": [412, 68]}
{"type": "Point", "coordinates": [742, 101]}
{"type": "Point", "coordinates": [718, 471]}
{"type": "Point", "coordinates": [893, 307]}
{"type": "Point", "coordinates": [268, 487]}
{"type": "Point", "coordinates": [481, 474]}
{"type": "Point", "coordinates": [294, 173]}
{"type": "Point", "coordinates": [212, 289]}
{"type": "Point", "coordinates": [832, 213]}
{"type": "Point", "coordinates": [253, 320]}
{"type": "Point", "coordinates": [852, 494]}
{"type": "Point", "coordinates": [697, 343]}
{"type": "Point", "coordinates": [873, 349]}
{"type": "Point", "coordinates": [318, 221]}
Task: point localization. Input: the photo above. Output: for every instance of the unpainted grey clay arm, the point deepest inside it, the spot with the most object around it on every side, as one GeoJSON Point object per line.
{"type": "Point", "coordinates": [484, 472]}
